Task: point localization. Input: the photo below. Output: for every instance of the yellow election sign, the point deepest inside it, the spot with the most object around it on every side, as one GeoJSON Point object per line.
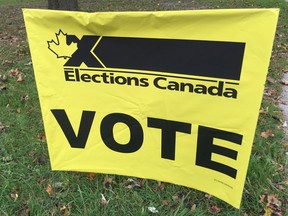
{"type": "Point", "coordinates": [171, 95]}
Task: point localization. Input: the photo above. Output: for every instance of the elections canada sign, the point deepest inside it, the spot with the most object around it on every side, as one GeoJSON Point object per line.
{"type": "Point", "coordinates": [172, 96]}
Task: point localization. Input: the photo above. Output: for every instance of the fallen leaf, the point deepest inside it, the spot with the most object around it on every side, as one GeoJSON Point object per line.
{"type": "Point", "coordinates": [104, 202]}
{"type": "Point", "coordinates": [25, 98]}
{"type": "Point", "coordinates": [161, 185]}
{"type": "Point", "coordinates": [273, 199]}
{"type": "Point", "coordinates": [7, 159]}
{"type": "Point", "coordinates": [14, 72]}
{"type": "Point", "coordinates": [107, 181]}
{"type": "Point", "coordinates": [14, 196]}
{"type": "Point", "coordinates": [208, 196]}
{"type": "Point", "coordinates": [7, 62]}
{"type": "Point", "coordinates": [284, 102]}
{"type": "Point", "coordinates": [32, 153]}
{"type": "Point", "coordinates": [214, 209]}
{"type": "Point", "coordinates": [3, 78]}
{"type": "Point", "coordinates": [273, 206]}
{"type": "Point", "coordinates": [263, 198]}
{"type": "Point", "coordinates": [270, 79]}
{"type": "Point", "coordinates": [18, 110]}
{"type": "Point", "coordinates": [262, 111]}
{"type": "Point", "coordinates": [284, 82]}
{"type": "Point", "coordinates": [13, 39]}
{"type": "Point", "coordinates": [280, 168]}
{"type": "Point", "coordinates": [165, 202]}
{"type": "Point", "coordinates": [272, 92]}
{"type": "Point", "coordinates": [2, 127]}
{"type": "Point", "coordinates": [42, 137]}
{"type": "Point", "coordinates": [174, 207]}
{"type": "Point", "coordinates": [152, 210]}
{"type": "Point", "coordinates": [193, 208]}
{"type": "Point", "coordinates": [64, 209]}
{"type": "Point", "coordinates": [91, 176]}
{"type": "Point", "coordinates": [133, 182]}
{"type": "Point", "coordinates": [280, 187]}
{"type": "Point", "coordinates": [49, 190]}
{"type": "Point", "coordinates": [175, 197]}
{"type": "Point", "coordinates": [270, 210]}
{"type": "Point", "coordinates": [20, 79]}
{"type": "Point", "coordinates": [3, 88]}
{"type": "Point", "coordinates": [25, 211]}
{"type": "Point", "coordinates": [266, 134]}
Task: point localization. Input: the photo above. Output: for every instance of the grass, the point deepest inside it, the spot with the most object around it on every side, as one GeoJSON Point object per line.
{"type": "Point", "coordinates": [25, 173]}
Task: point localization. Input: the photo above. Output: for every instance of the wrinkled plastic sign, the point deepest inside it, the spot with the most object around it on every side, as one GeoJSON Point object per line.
{"type": "Point", "coordinates": [172, 96]}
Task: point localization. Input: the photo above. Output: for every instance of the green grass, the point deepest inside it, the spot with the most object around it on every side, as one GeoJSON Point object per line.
{"type": "Point", "coordinates": [17, 2]}
{"type": "Point", "coordinates": [24, 163]}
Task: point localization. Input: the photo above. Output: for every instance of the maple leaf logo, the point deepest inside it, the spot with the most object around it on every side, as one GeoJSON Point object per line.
{"type": "Point", "coordinates": [60, 47]}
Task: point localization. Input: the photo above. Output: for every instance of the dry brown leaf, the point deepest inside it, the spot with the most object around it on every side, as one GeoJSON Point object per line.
{"type": "Point", "coordinates": [42, 137]}
{"type": "Point", "coordinates": [214, 209]}
{"type": "Point", "coordinates": [25, 211]}
{"type": "Point", "coordinates": [273, 199]}
{"type": "Point", "coordinates": [64, 210]}
{"type": "Point", "coordinates": [160, 185]}
{"type": "Point", "coordinates": [142, 182]}
{"type": "Point", "coordinates": [175, 197]}
{"type": "Point", "coordinates": [272, 206]}
{"type": "Point", "coordinates": [272, 92]}
{"type": "Point", "coordinates": [49, 190]}
{"type": "Point", "coordinates": [2, 127]}
{"type": "Point", "coordinates": [3, 88]}
{"type": "Point", "coordinates": [14, 194]}
{"type": "Point", "coordinates": [24, 98]}
{"type": "Point", "coordinates": [107, 181]}
{"type": "Point", "coordinates": [19, 79]}
{"type": "Point", "coordinates": [32, 153]}
{"type": "Point", "coordinates": [3, 78]}
{"type": "Point", "coordinates": [133, 182]}
{"type": "Point", "coordinates": [270, 79]}
{"type": "Point", "coordinates": [208, 196]}
{"type": "Point", "coordinates": [13, 39]}
{"type": "Point", "coordinates": [104, 202]}
{"type": "Point", "coordinates": [280, 168]}
{"type": "Point", "coordinates": [284, 82]}
{"type": "Point", "coordinates": [263, 198]}
{"type": "Point", "coordinates": [165, 202]}
{"type": "Point", "coordinates": [266, 134]}
{"type": "Point", "coordinates": [280, 187]}
{"type": "Point", "coordinates": [193, 208]}
{"type": "Point", "coordinates": [284, 102]}
{"type": "Point", "coordinates": [91, 176]}
{"type": "Point", "coordinates": [14, 72]}
{"type": "Point", "coordinates": [7, 62]}
{"type": "Point", "coordinates": [262, 111]}
{"type": "Point", "coordinates": [271, 210]}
